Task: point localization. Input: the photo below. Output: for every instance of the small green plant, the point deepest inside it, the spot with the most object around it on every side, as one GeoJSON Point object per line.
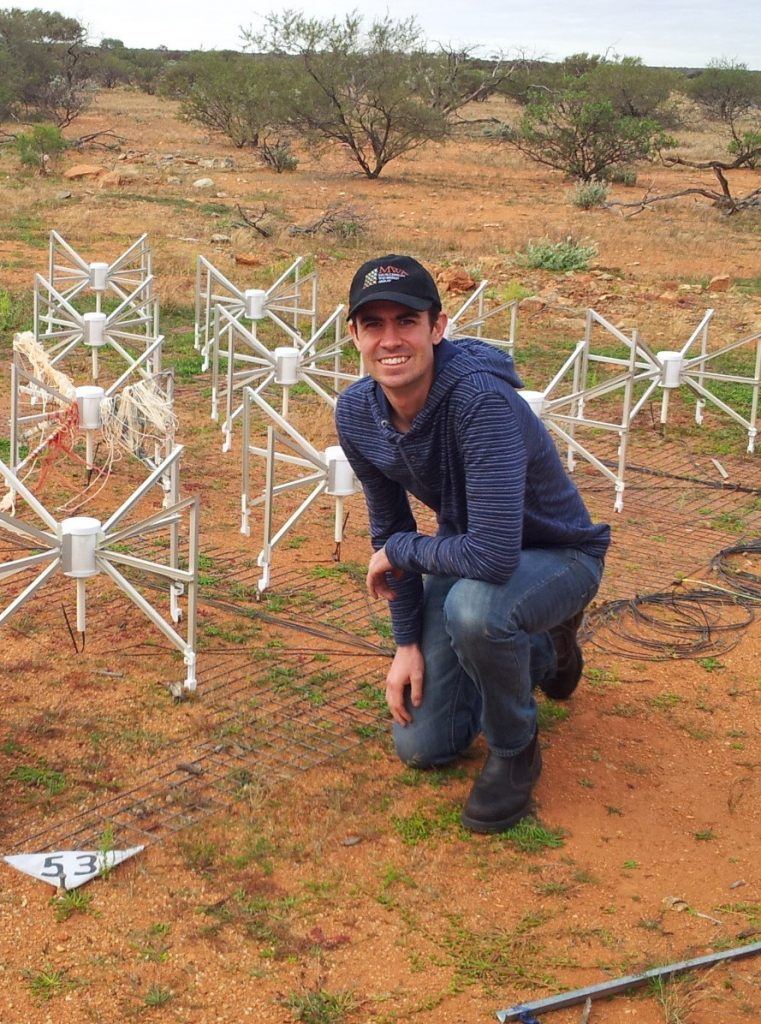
{"type": "Point", "coordinates": [157, 995]}
{"type": "Point", "coordinates": [705, 834]}
{"type": "Point", "coordinates": [665, 701]}
{"type": "Point", "coordinates": [278, 155]}
{"type": "Point", "coordinates": [48, 982]}
{"type": "Point", "coordinates": [75, 901]}
{"type": "Point", "coordinates": [39, 147]}
{"type": "Point", "coordinates": [530, 836]}
{"type": "Point", "coordinates": [106, 846]}
{"type": "Point", "coordinates": [549, 714]}
{"type": "Point", "coordinates": [317, 1006]}
{"type": "Point", "coordinates": [423, 824]}
{"type": "Point", "coordinates": [199, 854]}
{"type": "Point", "coordinates": [39, 777]}
{"type": "Point", "coordinates": [568, 254]}
{"type": "Point", "coordinates": [710, 664]}
{"type": "Point", "coordinates": [589, 194]}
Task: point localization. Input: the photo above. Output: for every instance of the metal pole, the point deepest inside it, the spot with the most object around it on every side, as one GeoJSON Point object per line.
{"type": "Point", "coordinates": [610, 988]}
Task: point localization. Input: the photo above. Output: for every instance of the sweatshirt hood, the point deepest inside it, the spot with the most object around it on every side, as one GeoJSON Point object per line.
{"type": "Point", "coordinates": [453, 360]}
{"type": "Point", "coordinates": [462, 357]}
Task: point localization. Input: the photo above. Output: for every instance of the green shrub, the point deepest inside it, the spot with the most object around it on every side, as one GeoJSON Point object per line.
{"type": "Point", "coordinates": [278, 155]}
{"type": "Point", "coordinates": [589, 194]}
{"type": "Point", "coordinates": [622, 176]}
{"type": "Point", "coordinates": [566, 255]}
{"type": "Point", "coordinates": [39, 147]}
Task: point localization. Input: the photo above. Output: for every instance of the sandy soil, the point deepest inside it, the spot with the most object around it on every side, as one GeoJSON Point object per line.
{"type": "Point", "coordinates": [348, 890]}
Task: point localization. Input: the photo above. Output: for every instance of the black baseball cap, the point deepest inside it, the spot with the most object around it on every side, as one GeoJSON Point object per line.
{"type": "Point", "coordinates": [395, 279]}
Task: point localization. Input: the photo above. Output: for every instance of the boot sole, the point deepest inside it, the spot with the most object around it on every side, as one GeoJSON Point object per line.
{"type": "Point", "coordinates": [486, 827]}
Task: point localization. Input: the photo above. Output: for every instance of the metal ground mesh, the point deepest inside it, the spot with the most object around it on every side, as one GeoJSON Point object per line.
{"type": "Point", "coordinates": [272, 711]}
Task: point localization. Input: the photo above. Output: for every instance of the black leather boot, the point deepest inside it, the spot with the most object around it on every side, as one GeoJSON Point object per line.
{"type": "Point", "coordinates": [569, 659]}
{"type": "Point", "coordinates": [501, 794]}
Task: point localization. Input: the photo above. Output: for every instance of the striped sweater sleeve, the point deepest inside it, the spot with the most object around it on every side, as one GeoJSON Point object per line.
{"type": "Point", "coordinates": [493, 461]}
{"type": "Point", "coordinates": [390, 513]}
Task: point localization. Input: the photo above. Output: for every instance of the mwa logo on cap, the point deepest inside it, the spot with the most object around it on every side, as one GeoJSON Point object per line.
{"type": "Point", "coordinates": [393, 278]}
{"type": "Point", "coordinates": [384, 275]}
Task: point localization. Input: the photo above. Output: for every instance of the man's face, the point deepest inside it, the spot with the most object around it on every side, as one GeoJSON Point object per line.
{"type": "Point", "coordinates": [396, 344]}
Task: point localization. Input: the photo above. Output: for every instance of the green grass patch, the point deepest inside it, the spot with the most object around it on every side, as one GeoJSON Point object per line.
{"type": "Point", "coordinates": [550, 713]}
{"type": "Point", "coordinates": [318, 1006]}
{"type": "Point", "coordinates": [545, 254]}
{"type": "Point", "coordinates": [39, 777]}
{"type": "Point", "coordinates": [748, 285]}
{"type": "Point", "coordinates": [75, 901]}
{"type": "Point", "coordinates": [48, 982]}
{"type": "Point", "coordinates": [501, 957]}
{"type": "Point", "coordinates": [426, 823]}
{"type": "Point", "coordinates": [157, 995]}
{"type": "Point", "coordinates": [530, 836]}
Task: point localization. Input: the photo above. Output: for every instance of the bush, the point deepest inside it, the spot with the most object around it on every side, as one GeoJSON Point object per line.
{"type": "Point", "coordinates": [589, 194]}
{"type": "Point", "coordinates": [748, 147]}
{"type": "Point", "coordinates": [240, 96]}
{"type": "Point", "coordinates": [548, 255]}
{"type": "Point", "coordinates": [583, 136]}
{"type": "Point", "coordinates": [622, 176]}
{"type": "Point", "coordinates": [44, 72]}
{"type": "Point", "coordinates": [278, 155]}
{"type": "Point", "coordinates": [39, 147]}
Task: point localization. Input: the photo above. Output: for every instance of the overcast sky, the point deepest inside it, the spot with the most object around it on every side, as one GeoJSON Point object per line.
{"type": "Point", "coordinates": [676, 33]}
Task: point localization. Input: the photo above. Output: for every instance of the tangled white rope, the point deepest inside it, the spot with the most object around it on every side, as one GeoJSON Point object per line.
{"type": "Point", "coordinates": [134, 421]}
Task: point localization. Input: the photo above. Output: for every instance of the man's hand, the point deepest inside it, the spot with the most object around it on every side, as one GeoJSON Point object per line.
{"type": "Point", "coordinates": [377, 584]}
{"type": "Point", "coordinates": [407, 669]}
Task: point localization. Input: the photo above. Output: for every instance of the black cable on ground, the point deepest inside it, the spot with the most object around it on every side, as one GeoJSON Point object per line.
{"type": "Point", "coordinates": [743, 581]}
{"type": "Point", "coordinates": [673, 624]}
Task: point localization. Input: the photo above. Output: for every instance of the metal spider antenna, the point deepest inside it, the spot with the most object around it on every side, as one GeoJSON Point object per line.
{"type": "Point", "coordinates": [327, 472]}
{"type": "Point", "coordinates": [472, 317]}
{"type": "Point", "coordinates": [60, 327]}
{"type": "Point", "coordinates": [38, 407]}
{"type": "Point", "coordinates": [82, 547]}
{"type": "Point", "coordinates": [71, 275]}
{"type": "Point", "coordinates": [670, 370]}
{"type": "Point", "coordinates": [293, 297]}
{"type": "Point", "coordinates": [563, 406]}
{"type": "Point", "coordinates": [679, 368]}
{"type": "Point", "coordinates": [252, 364]}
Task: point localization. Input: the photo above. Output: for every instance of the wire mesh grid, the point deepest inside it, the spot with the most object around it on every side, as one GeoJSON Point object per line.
{"type": "Point", "coordinates": [273, 711]}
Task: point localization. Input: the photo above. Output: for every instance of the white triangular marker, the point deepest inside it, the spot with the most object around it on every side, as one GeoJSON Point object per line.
{"type": "Point", "coordinates": [67, 869]}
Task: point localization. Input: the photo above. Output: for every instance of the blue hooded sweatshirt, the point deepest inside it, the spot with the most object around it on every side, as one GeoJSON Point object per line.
{"type": "Point", "coordinates": [480, 458]}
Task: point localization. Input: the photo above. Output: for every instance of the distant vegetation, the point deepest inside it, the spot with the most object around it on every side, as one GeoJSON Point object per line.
{"type": "Point", "coordinates": [379, 91]}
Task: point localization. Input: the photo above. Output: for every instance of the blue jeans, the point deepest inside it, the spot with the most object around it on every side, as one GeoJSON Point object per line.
{"type": "Point", "coordinates": [485, 647]}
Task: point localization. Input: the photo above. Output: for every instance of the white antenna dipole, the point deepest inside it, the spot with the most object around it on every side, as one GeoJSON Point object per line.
{"type": "Point", "coordinates": [564, 413]}
{"type": "Point", "coordinates": [328, 472]}
{"type": "Point", "coordinates": [472, 317]}
{"type": "Point", "coordinates": [60, 327]}
{"type": "Point", "coordinates": [293, 296]}
{"type": "Point", "coordinates": [250, 363]}
{"type": "Point", "coordinates": [82, 547]}
{"type": "Point", "coordinates": [671, 370]}
{"type": "Point", "coordinates": [71, 275]}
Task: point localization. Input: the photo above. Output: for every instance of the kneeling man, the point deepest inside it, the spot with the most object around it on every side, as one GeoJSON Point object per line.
{"type": "Point", "coordinates": [488, 607]}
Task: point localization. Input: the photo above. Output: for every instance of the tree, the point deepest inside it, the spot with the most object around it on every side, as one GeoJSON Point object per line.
{"type": "Point", "coordinates": [584, 137]}
{"type": "Point", "coordinates": [43, 73]}
{"type": "Point", "coordinates": [380, 94]}
{"type": "Point", "coordinates": [730, 93]}
{"type": "Point", "coordinates": [241, 96]}
{"type": "Point", "coordinates": [633, 89]}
